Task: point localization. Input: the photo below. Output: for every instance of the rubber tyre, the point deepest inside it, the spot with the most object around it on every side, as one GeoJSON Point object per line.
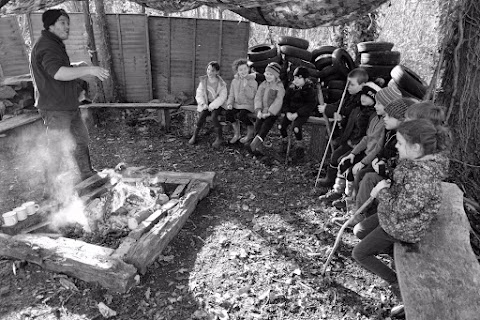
{"type": "Point", "coordinates": [328, 71]}
{"type": "Point", "coordinates": [261, 65]}
{"type": "Point", "coordinates": [323, 61]}
{"type": "Point", "coordinates": [409, 81]}
{"type": "Point", "coordinates": [294, 42]}
{"type": "Point", "coordinates": [296, 62]}
{"type": "Point", "coordinates": [380, 58]}
{"type": "Point", "coordinates": [332, 77]}
{"type": "Point", "coordinates": [321, 51]}
{"type": "Point", "coordinates": [343, 60]}
{"type": "Point", "coordinates": [370, 46]}
{"type": "Point", "coordinates": [405, 94]}
{"type": "Point", "coordinates": [296, 52]}
{"type": "Point", "coordinates": [336, 84]}
{"type": "Point", "coordinates": [314, 73]}
{"type": "Point", "coordinates": [262, 52]}
{"type": "Point", "coordinates": [378, 71]}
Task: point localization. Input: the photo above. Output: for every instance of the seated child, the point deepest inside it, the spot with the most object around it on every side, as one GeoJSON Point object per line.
{"type": "Point", "coordinates": [355, 79]}
{"type": "Point", "coordinates": [299, 103]}
{"type": "Point", "coordinates": [354, 131]}
{"type": "Point", "coordinates": [211, 97]}
{"type": "Point", "coordinates": [410, 202]}
{"type": "Point", "coordinates": [240, 101]}
{"type": "Point", "coordinates": [386, 159]}
{"type": "Point", "coordinates": [268, 103]}
{"type": "Point", "coordinates": [358, 162]}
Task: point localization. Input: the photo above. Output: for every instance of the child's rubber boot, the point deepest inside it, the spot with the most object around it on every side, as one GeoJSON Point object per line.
{"type": "Point", "coordinates": [249, 137]}
{"type": "Point", "coordinates": [194, 138]}
{"type": "Point", "coordinates": [236, 132]}
{"type": "Point", "coordinates": [219, 140]}
{"type": "Point", "coordinates": [329, 179]}
{"type": "Point", "coordinates": [257, 141]}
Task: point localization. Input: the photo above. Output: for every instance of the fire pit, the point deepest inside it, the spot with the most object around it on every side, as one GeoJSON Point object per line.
{"type": "Point", "coordinates": [141, 209]}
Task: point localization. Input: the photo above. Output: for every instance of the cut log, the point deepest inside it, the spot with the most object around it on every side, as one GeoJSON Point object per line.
{"type": "Point", "coordinates": [148, 223]}
{"type": "Point", "coordinates": [138, 217]}
{"type": "Point", "coordinates": [440, 279]}
{"type": "Point", "coordinates": [140, 254]}
{"type": "Point", "coordinates": [16, 80]}
{"type": "Point", "coordinates": [78, 259]}
{"type": "Point", "coordinates": [92, 183]}
{"type": "Point", "coordinates": [177, 193]}
{"type": "Point", "coordinates": [18, 121]}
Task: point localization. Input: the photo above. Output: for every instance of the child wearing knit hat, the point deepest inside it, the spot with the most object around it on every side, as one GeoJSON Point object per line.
{"type": "Point", "coordinates": [367, 149]}
{"type": "Point", "coordinates": [268, 103]}
{"type": "Point", "coordinates": [298, 105]}
{"type": "Point", "coordinates": [354, 131]}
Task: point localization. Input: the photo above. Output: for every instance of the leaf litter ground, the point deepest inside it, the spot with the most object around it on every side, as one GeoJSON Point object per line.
{"type": "Point", "coordinates": [253, 249]}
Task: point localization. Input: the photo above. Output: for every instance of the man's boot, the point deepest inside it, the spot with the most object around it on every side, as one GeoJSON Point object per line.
{"type": "Point", "coordinates": [329, 177]}
{"type": "Point", "coordinates": [249, 137]}
{"type": "Point", "coordinates": [193, 139]}
{"type": "Point", "coordinates": [219, 140]}
{"type": "Point", "coordinates": [236, 132]}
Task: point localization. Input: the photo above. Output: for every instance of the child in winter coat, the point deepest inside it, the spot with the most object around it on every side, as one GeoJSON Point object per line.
{"type": "Point", "coordinates": [358, 162]}
{"type": "Point", "coordinates": [355, 79]}
{"type": "Point", "coordinates": [353, 133]}
{"type": "Point", "coordinates": [408, 204]}
{"type": "Point", "coordinates": [386, 160]}
{"type": "Point", "coordinates": [268, 103]}
{"type": "Point", "coordinates": [299, 103]}
{"type": "Point", "coordinates": [240, 101]}
{"type": "Point", "coordinates": [211, 97]}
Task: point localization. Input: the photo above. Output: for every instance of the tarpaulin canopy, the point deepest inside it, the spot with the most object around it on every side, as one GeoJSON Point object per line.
{"type": "Point", "coordinates": [283, 13]}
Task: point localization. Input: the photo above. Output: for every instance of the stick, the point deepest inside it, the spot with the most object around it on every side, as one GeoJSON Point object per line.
{"type": "Point", "coordinates": [331, 133]}
{"type": "Point", "coordinates": [340, 233]}
{"type": "Point", "coordinates": [289, 145]}
{"type": "Point", "coordinates": [321, 101]}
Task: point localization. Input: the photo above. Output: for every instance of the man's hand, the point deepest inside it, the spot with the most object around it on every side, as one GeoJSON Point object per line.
{"type": "Point", "coordinates": [99, 72]}
{"type": "Point", "coordinates": [337, 116]}
{"type": "Point", "coordinates": [381, 185]}
{"type": "Point", "coordinates": [321, 108]}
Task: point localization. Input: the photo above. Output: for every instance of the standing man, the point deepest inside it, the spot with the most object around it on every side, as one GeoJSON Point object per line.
{"type": "Point", "coordinates": [56, 80]}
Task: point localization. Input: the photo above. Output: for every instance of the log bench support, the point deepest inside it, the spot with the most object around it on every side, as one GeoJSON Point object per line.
{"type": "Point", "coordinates": [316, 126]}
{"type": "Point", "coordinates": [163, 109]}
{"type": "Point", "coordinates": [441, 278]}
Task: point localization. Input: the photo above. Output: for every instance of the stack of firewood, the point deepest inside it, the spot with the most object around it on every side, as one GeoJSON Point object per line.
{"type": "Point", "coordinates": [16, 95]}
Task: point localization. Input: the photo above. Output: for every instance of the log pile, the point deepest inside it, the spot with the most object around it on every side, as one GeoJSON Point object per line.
{"type": "Point", "coordinates": [16, 95]}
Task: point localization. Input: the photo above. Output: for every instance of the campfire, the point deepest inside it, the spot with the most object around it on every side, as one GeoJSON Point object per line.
{"type": "Point", "coordinates": [117, 224]}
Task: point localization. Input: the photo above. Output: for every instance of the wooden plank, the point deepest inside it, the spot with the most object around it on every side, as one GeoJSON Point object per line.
{"type": "Point", "coordinates": [148, 224]}
{"type": "Point", "coordinates": [140, 254]}
{"type": "Point", "coordinates": [76, 258]}
{"type": "Point", "coordinates": [441, 265]}
{"type": "Point", "coordinates": [96, 193]}
{"type": "Point", "coordinates": [24, 225]}
{"type": "Point", "coordinates": [177, 193]}
{"type": "Point", "coordinates": [169, 57]}
{"type": "Point", "coordinates": [122, 58]}
{"type": "Point", "coordinates": [93, 182]}
{"type": "Point", "coordinates": [18, 121]}
{"type": "Point", "coordinates": [194, 54]}
{"type": "Point", "coordinates": [149, 62]}
{"type": "Point", "coordinates": [133, 105]}
{"type": "Point", "coordinates": [134, 174]}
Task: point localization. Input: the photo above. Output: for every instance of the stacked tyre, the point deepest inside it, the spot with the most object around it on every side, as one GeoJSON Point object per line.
{"type": "Point", "coordinates": [263, 54]}
{"type": "Point", "coordinates": [409, 83]}
{"type": "Point", "coordinates": [333, 65]}
{"type": "Point", "coordinates": [294, 50]}
{"type": "Point", "coordinates": [378, 59]}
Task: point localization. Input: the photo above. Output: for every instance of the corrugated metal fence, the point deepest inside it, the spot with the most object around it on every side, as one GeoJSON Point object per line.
{"type": "Point", "coordinates": [154, 56]}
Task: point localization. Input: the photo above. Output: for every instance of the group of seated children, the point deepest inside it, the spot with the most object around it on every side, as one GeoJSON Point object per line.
{"type": "Point", "coordinates": [257, 106]}
{"type": "Point", "coordinates": [387, 148]}
{"type": "Point", "coordinates": [399, 159]}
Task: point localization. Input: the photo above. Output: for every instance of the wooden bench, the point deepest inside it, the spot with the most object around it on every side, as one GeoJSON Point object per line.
{"type": "Point", "coordinates": [441, 279]}
{"type": "Point", "coordinates": [317, 129]}
{"type": "Point", "coordinates": [163, 109]}
{"type": "Point", "coordinates": [18, 121]}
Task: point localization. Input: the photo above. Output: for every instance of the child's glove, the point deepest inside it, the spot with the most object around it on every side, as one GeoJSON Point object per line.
{"type": "Point", "coordinates": [379, 166]}
{"type": "Point", "coordinates": [381, 185]}
{"type": "Point", "coordinates": [266, 115]}
{"type": "Point", "coordinates": [321, 108]}
{"type": "Point", "coordinates": [259, 114]}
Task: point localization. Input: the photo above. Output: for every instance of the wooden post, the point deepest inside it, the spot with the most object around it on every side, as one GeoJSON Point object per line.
{"type": "Point", "coordinates": [194, 53]}
{"type": "Point", "coordinates": [169, 58]}
{"type": "Point", "coordinates": [106, 45]}
{"type": "Point", "coordinates": [91, 45]}
{"type": "Point", "coordinates": [149, 62]}
{"type": "Point", "coordinates": [440, 277]}
{"type": "Point", "coordinates": [120, 49]}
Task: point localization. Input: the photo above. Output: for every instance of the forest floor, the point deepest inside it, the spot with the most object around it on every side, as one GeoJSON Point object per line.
{"type": "Point", "coordinates": [254, 248]}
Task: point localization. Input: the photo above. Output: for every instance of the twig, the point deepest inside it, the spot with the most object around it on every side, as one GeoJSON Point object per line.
{"type": "Point", "coordinates": [465, 164]}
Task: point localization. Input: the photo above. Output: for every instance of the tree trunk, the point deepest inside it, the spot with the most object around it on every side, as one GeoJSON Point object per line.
{"type": "Point", "coordinates": [440, 277]}
{"type": "Point", "coordinates": [461, 80]}
{"type": "Point", "coordinates": [112, 82]}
